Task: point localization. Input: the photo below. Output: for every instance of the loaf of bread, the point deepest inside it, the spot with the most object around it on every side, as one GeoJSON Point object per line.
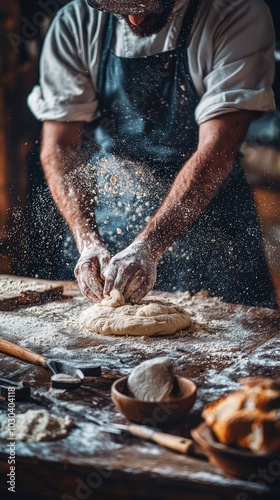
{"type": "Point", "coordinates": [249, 418]}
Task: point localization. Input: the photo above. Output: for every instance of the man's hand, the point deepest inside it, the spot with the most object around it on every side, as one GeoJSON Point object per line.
{"type": "Point", "coordinates": [89, 271]}
{"type": "Point", "coordinates": [132, 272]}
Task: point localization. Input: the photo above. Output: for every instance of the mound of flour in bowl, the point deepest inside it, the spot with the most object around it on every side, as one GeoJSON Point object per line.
{"type": "Point", "coordinates": [152, 380]}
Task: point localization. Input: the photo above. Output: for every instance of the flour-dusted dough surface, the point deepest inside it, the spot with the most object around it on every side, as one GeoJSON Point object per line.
{"type": "Point", "coordinates": [152, 316]}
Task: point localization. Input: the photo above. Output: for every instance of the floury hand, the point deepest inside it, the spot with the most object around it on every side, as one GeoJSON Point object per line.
{"type": "Point", "coordinates": [89, 271]}
{"type": "Point", "coordinates": [132, 272]}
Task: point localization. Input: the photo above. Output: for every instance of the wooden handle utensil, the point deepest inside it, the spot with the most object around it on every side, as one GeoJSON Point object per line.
{"type": "Point", "coordinates": [17, 351]}
{"type": "Point", "coordinates": [176, 443]}
{"type": "Point", "coordinates": [54, 365]}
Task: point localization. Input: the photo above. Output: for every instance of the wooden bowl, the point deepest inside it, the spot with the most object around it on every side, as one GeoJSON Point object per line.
{"type": "Point", "coordinates": [234, 461]}
{"type": "Point", "coordinates": [155, 413]}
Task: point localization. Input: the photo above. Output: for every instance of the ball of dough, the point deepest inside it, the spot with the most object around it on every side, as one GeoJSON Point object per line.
{"type": "Point", "coordinates": [152, 316]}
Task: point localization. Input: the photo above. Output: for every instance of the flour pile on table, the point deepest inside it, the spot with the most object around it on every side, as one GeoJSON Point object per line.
{"type": "Point", "coordinates": [38, 425]}
{"type": "Point", "coordinates": [152, 316]}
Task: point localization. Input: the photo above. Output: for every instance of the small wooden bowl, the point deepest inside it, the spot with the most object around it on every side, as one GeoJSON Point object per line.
{"type": "Point", "coordinates": [155, 413]}
{"type": "Point", "coordinates": [234, 461]}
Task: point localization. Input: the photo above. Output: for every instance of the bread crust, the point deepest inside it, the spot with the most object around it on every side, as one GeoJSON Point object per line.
{"type": "Point", "coordinates": [248, 418]}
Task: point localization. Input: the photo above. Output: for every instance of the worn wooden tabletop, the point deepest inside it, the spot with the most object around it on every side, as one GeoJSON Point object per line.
{"type": "Point", "coordinates": [226, 343]}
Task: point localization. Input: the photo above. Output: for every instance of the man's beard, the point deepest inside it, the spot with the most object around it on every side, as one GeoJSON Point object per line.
{"type": "Point", "coordinates": [153, 23]}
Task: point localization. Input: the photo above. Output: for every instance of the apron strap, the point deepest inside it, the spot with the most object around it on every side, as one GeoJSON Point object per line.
{"type": "Point", "coordinates": [108, 31]}
{"type": "Point", "coordinates": [188, 22]}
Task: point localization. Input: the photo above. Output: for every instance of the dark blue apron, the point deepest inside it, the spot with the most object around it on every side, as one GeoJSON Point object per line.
{"type": "Point", "coordinates": [146, 132]}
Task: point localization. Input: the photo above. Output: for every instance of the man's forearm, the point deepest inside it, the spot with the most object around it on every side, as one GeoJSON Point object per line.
{"type": "Point", "coordinates": [197, 183]}
{"type": "Point", "coordinates": [68, 177]}
{"type": "Point", "coordinates": [192, 191]}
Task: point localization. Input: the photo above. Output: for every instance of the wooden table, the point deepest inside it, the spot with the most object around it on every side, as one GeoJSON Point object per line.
{"type": "Point", "coordinates": [229, 342]}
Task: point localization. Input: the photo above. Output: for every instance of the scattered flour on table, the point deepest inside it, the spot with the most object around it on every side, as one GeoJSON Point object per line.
{"type": "Point", "coordinates": [38, 425]}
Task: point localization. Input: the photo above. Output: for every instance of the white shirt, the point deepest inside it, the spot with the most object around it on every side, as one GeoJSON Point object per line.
{"type": "Point", "coordinates": [231, 58]}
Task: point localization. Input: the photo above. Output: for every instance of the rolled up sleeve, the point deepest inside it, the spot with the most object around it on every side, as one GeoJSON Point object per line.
{"type": "Point", "coordinates": [65, 91]}
{"type": "Point", "coordinates": [242, 71]}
